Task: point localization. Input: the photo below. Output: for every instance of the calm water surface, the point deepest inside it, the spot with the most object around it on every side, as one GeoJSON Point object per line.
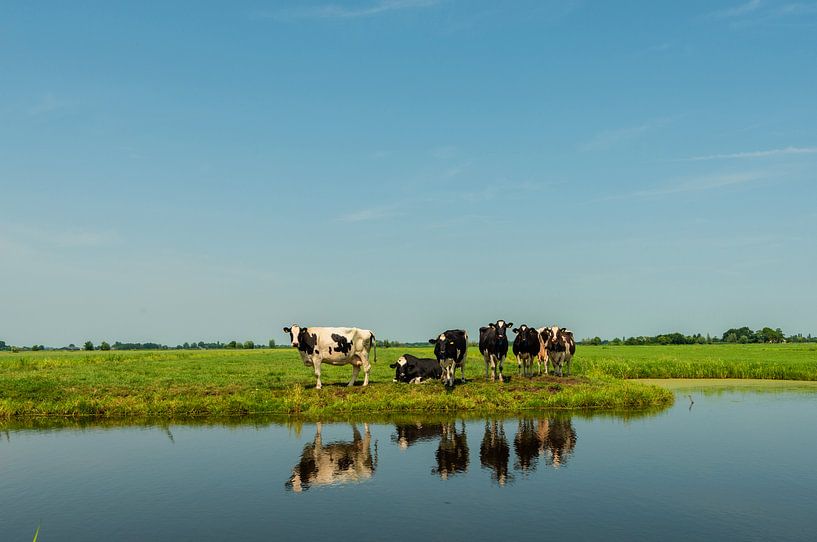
{"type": "Point", "coordinates": [737, 465]}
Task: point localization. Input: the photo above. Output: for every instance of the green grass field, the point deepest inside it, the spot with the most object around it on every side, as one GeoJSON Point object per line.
{"type": "Point", "coordinates": [173, 383]}
{"type": "Point", "coordinates": [763, 361]}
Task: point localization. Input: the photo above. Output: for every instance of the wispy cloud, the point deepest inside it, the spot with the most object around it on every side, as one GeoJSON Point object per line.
{"type": "Point", "coordinates": [47, 103]}
{"type": "Point", "coordinates": [754, 154]}
{"type": "Point", "coordinates": [35, 236]}
{"type": "Point", "coordinates": [343, 11]}
{"type": "Point", "coordinates": [608, 139]}
{"type": "Point", "coordinates": [737, 11]}
{"type": "Point", "coordinates": [372, 213]}
{"type": "Point", "coordinates": [756, 12]}
{"type": "Point", "coordinates": [703, 183]}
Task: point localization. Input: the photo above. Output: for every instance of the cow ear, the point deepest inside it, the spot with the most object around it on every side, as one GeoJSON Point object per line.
{"type": "Point", "coordinates": [432, 341]}
{"type": "Point", "coordinates": [393, 365]}
{"type": "Point", "coordinates": [492, 325]}
{"type": "Point", "coordinates": [509, 324]}
{"type": "Point", "coordinates": [515, 330]}
{"type": "Point", "coordinates": [287, 330]}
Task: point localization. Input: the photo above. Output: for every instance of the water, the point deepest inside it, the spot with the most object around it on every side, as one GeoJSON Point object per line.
{"type": "Point", "coordinates": [737, 465]}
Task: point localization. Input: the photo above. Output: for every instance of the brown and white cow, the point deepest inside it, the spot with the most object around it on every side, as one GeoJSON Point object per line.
{"type": "Point", "coordinates": [556, 344]}
{"type": "Point", "coordinates": [334, 463]}
{"type": "Point", "coordinates": [335, 346]}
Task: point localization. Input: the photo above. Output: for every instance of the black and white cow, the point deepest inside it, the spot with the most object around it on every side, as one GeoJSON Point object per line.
{"type": "Point", "coordinates": [335, 346]}
{"type": "Point", "coordinates": [525, 349]}
{"type": "Point", "coordinates": [493, 345]}
{"type": "Point", "coordinates": [556, 344]}
{"type": "Point", "coordinates": [411, 369]}
{"type": "Point", "coordinates": [451, 349]}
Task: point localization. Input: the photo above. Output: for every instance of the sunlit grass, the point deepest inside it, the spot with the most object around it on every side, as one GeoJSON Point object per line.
{"type": "Point", "coordinates": [242, 382]}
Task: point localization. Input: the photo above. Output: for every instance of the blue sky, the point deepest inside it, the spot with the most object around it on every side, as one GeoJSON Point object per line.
{"type": "Point", "coordinates": [203, 171]}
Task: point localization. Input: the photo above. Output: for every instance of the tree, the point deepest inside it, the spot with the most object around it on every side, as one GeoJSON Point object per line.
{"type": "Point", "coordinates": [2, 345]}
{"type": "Point", "coordinates": [769, 335]}
{"type": "Point", "coordinates": [231, 344]}
{"type": "Point", "coordinates": [272, 343]}
{"type": "Point", "coordinates": [104, 346]}
{"type": "Point", "coordinates": [249, 345]}
{"type": "Point", "coordinates": [88, 345]}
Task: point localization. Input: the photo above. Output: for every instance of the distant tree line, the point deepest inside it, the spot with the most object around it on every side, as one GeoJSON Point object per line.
{"type": "Point", "coordinates": [104, 345]}
{"type": "Point", "coordinates": [742, 335]}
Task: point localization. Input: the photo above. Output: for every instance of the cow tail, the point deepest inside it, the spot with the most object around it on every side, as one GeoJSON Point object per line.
{"type": "Point", "coordinates": [374, 344]}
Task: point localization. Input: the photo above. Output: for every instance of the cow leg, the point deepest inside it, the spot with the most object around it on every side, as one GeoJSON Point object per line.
{"type": "Point", "coordinates": [366, 368]}
{"type": "Point", "coordinates": [500, 362]}
{"type": "Point", "coordinates": [462, 370]}
{"type": "Point", "coordinates": [355, 371]}
{"type": "Point", "coordinates": [567, 366]}
{"type": "Point", "coordinates": [364, 362]}
{"type": "Point", "coordinates": [317, 365]}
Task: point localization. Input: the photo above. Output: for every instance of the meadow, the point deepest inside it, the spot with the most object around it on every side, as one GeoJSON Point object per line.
{"type": "Point", "coordinates": [218, 383]}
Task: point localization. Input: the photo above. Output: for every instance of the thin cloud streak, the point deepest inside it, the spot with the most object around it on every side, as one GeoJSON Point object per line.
{"type": "Point", "coordinates": [754, 154]}
{"type": "Point", "coordinates": [737, 11]}
{"type": "Point", "coordinates": [364, 215]}
{"type": "Point", "coordinates": [700, 184]}
{"type": "Point", "coordinates": [608, 139]}
{"type": "Point", "coordinates": [335, 11]}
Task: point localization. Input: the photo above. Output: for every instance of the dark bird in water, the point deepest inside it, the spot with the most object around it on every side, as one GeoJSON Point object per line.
{"type": "Point", "coordinates": [691, 402]}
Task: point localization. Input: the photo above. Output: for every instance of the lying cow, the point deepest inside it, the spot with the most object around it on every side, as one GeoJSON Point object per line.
{"type": "Point", "coordinates": [411, 369]}
{"type": "Point", "coordinates": [334, 463]}
{"type": "Point", "coordinates": [451, 349]}
{"type": "Point", "coordinates": [557, 346]}
{"type": "Point", "coordinates": [493, 345]}
{"type": "Point", "coordinates": [526, 349]}
{"type": "Point", "coordinates": [335, 346]}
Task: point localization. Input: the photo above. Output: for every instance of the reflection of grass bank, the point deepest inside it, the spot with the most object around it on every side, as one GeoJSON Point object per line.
{"type": "Point", "coordinates": [174, 384]}
{"type": "Point", "coordinates": [724, 385]}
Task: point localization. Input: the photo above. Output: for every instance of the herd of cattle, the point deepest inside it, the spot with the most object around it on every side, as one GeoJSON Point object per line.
{"type": "Point", "coordinates": [350, 346]}
{"type": "Point", "coordinates": [342, 462]}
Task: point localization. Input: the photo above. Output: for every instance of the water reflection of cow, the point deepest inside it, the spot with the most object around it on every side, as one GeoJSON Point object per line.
{"type": "Point", "coordinates": [494, 451]}
{"type": "Point", "coordinates": [452, 453]}
{"type": "Point", "coordinates": [452, 449]}
{"type": "Point", "coordinates": [340, 462]}
{"type": "Point", "coordinates": [553, 438]}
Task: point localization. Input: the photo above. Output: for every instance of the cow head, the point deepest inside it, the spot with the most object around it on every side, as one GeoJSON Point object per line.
{"type": "Point", "coordinates": [295, 334]}
{"type": "Point", "coordinates": [501, 328]}
{"type": "Point", "coordinates": [400, 370]}
{"type": "Point", "coordinates": [525, 333]}
{"type": "Point", "coordinates": [444, 347]}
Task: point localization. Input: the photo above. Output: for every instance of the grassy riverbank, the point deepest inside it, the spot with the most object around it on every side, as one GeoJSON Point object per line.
{"type": "Point", "coordinates": [239, 382]}
{"type": "Point", "coordinates": [172, 384]}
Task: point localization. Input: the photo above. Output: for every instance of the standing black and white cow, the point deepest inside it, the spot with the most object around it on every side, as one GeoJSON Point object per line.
{"type": "Point", "coordinates": [411, 369]}
{"type": "Point", "coordinates": [335, 346]}
{"type": "Point", "coordinates": [525, 349]}
{"type": "Point", "coordinates": [556, 344]}
{"type": "Point", "coordinates": [451, 349]}
{"type": "Point", "coordinates": [493, 345]}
